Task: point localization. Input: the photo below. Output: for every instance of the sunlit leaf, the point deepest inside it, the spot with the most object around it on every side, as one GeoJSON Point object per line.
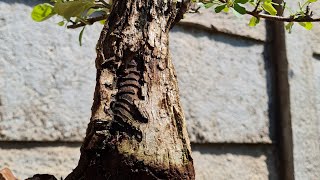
{"type": "Point", "coordinates": [226, 9]}
{"type": "Point", "coordinates": [102, 22]}
{"type": "Point", "coordinates": [306, 25]}
{"type": "Point", "coordinates": [289, 27]}
{"type": "Point", "coordinates": [254, 21]}
{"type": "Point", "coordinates": [72, 8]}
{"type": "Point", "coordinates": [267, 6]}
{"type": "Point", "coordinates": [42, 12]}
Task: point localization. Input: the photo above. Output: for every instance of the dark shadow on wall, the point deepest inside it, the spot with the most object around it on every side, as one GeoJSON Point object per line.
{"type": "Point", "coordinates": [271, 90]}
{"type": "Point", "coordinates": [273, 162]}
{"type": "Point", "coordinates": [231, 39]}
{"type": "Point", "coordinates": [276, 53]}
{"type": "Point", "coordinates": [26, 2]}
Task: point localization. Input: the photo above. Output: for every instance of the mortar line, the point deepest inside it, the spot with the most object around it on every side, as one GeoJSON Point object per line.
{"type": "Point", "coordinates": [6, 144]}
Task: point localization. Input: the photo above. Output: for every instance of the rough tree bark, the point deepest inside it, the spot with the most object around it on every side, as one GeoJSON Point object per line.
{"type": "Point", "coordinates": [137, 128]}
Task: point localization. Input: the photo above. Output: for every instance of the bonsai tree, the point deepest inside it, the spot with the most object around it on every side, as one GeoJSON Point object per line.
{"type": "Point", "coordinates": [137, 128]}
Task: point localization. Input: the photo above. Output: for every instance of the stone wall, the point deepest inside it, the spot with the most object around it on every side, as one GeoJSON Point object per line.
{"type": "Point", "coordinates": [227, 84]}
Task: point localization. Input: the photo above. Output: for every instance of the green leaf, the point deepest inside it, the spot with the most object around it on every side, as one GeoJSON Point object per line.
{"type": "Point", "coordinates": [61, 23]}
{"type": "Point", "coordinates": [70, 9]}
{"type": "Point", "coordinates": [226, 9]}
{"type": "Point", "coordinates": [289, 27]}
{"type": "Point", "coordinates": [267, 6]}
{"type": "Point", "coordinates": [241, 1]}
{"type": "Point", "coordinates": [103, 22]}
{"type": "Point", "coordinates": [208, 5]}
{"type": "Point", "coordinates": [306, 25]}
{"type": "Point", "coordinates": [311, 1]}
{"type": "Point", "coordinates": [254, 21]}
{"type": "Point", "coordinates": [98, 11]}
{"type": "Point", "coordinates": [241, 10]}
{"type": "Point", "coordinates": [80, 35]}
{"type": "Point", "coordinates": [219, 8]}
{"type": "Point", "coordinates": [42, 12]}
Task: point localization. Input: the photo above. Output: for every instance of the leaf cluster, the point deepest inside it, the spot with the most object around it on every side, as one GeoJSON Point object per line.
{"type": "Point", "coordinates": [238, 7]}
{"type": "Point", "coordinates": [264, 9]}
{"type": "Point", "coordinates": [75, 13]}
{"type": "Point", "coordinates": [79, 13]}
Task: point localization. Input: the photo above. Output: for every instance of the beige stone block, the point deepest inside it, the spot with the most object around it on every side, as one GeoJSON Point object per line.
{"type": "Point", "coordinates": [304, 81]}
{"type": "Point", "coordinates": [233, 163]}
{"type": "Point", "coordinates": [227, 23]}
{"type": "Point", "coordinates": [25, 160]}
{"type": "Point", "coordinates": [46, 79]}
{"type": "Point", "coordinates": [223, 84]}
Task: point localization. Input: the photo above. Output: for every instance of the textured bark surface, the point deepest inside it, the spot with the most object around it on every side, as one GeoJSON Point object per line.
{"type": "Point", "coordinates": [137, 129]}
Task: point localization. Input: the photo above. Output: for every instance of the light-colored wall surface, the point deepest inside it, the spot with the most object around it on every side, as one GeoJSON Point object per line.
{"type": "Point", "coordinates": [47, 79]}
{"type": "Point", "coordinates": [304, 82]}
{"type": "Point", "coordinates": [47, 82]}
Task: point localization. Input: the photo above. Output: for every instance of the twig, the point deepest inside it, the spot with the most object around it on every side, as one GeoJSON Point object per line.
{"type": "Point", "coordinates": [89, 21]}
{"type": "Point", "coordinates": [256, 8]}
{"type": "Point", "coordinates": [283, 19]}
{"type": "Point", "coordinates": [194, 10]}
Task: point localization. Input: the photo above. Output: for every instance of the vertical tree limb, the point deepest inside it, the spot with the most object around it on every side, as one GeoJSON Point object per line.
{"type": "Point", "coordinates": [137, 128]}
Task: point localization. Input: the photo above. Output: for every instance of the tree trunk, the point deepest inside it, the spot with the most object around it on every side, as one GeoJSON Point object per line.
{"type": "Point", "coordinates": [137, 128]}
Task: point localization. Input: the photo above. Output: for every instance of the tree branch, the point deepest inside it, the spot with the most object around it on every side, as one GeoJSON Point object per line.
{"type": "Point", "coordinates": [283, 19]}
{"type": "Point", "coordinates": [254, 13]}
{"type": "Point", "coordinates": [183, 8]}
{"type": "Point", "coordinates": [89, 21]}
